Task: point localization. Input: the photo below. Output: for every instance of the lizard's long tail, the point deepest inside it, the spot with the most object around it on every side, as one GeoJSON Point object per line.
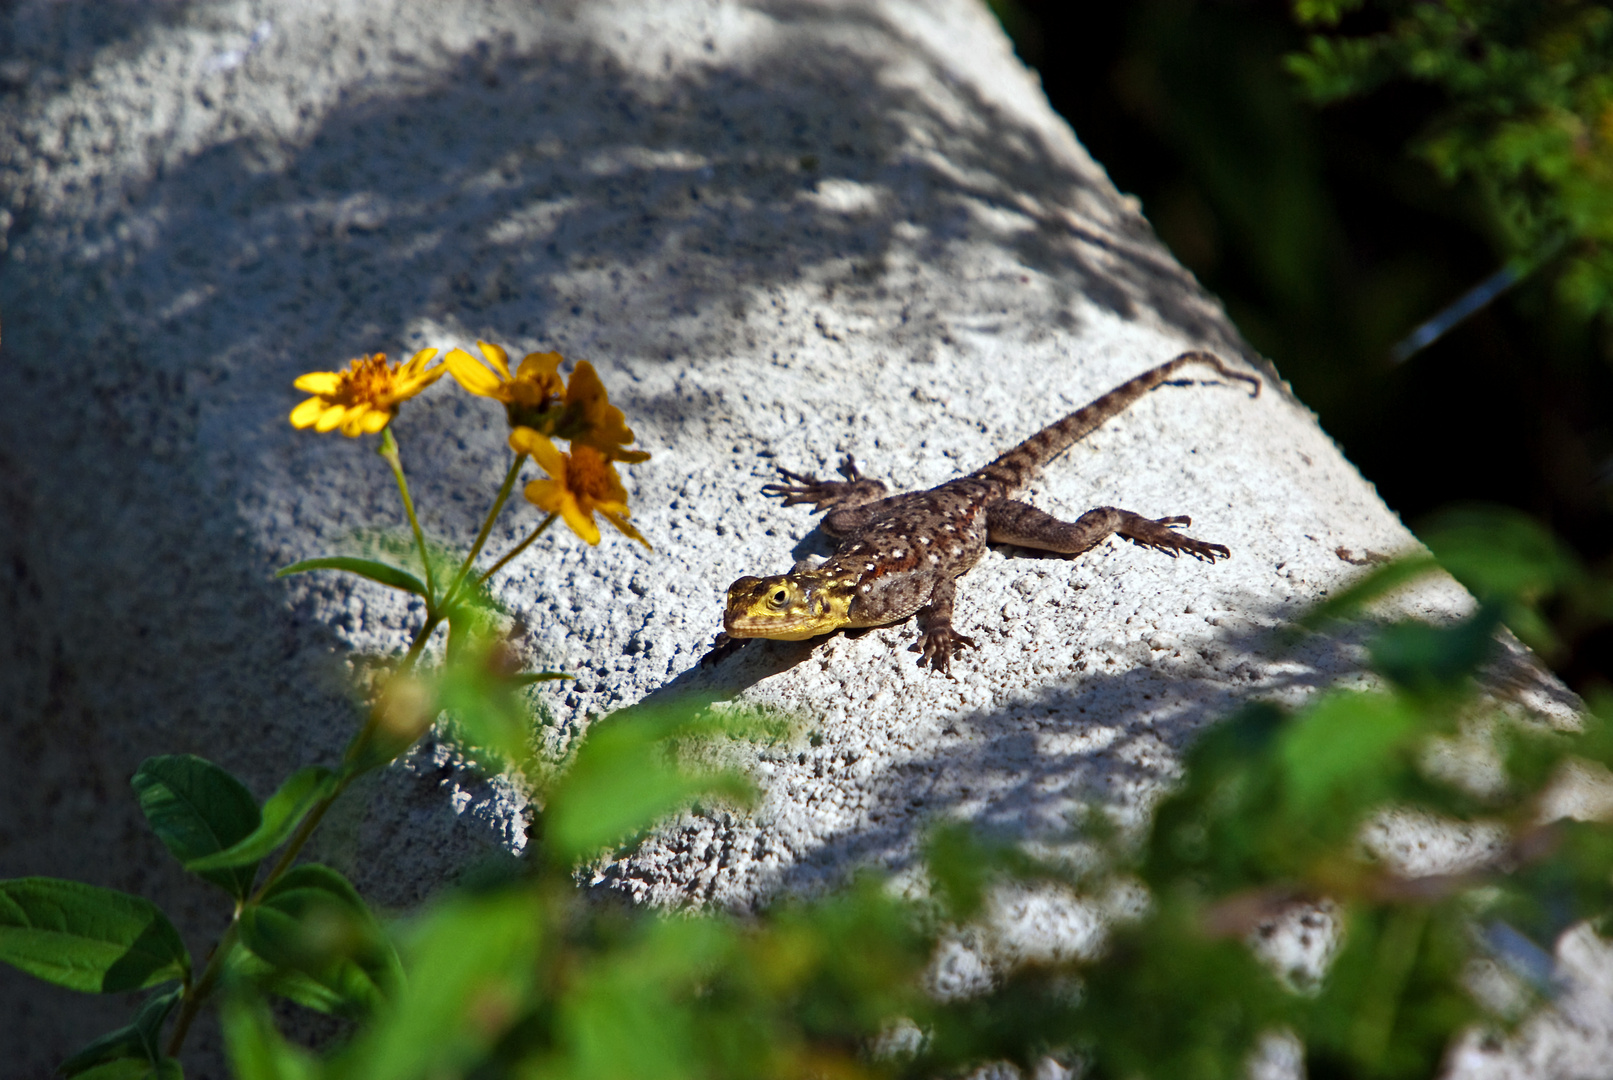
{"type": "Point", "coordinates": [1016, 466]}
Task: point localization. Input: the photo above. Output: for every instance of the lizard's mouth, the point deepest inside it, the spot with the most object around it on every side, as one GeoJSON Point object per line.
{"type": "Point", "coordinates": [778, 630]}
{"type": "Point", "coordinates": [777, 608]}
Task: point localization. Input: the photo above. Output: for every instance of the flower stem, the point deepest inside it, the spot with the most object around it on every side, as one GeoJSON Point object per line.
{"type": "Point", "coordinates": [487, 526]}
{"type": "Point", "coordinates": [191, 1003]}
{"type": "Point", "coordinates": [421, 636]}
{"type": "Point", "coordinates": [208, 982]}
{"type": "Point", "coordinates": [389, 450]}
{"type": "Point", "coordinates": [517, 549]}
{"type": "Point", "coordinates": [204, 987]}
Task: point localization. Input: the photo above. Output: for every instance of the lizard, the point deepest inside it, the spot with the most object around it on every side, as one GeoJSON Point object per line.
{"type": "Point", "coordinates": [901, 555]}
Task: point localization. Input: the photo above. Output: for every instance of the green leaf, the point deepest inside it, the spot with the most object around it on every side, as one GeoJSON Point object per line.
{"type": "Point", "coordinates": [1499, 552]}
{"type": "Point", "coordinates": [1393, 999]}
{"type": "Point", "coordinates": [312, 921]}
{"type": "Point", "coordinates": [489, 719]}
{"type": "Point", "coordinates": [197, 809]}
{"type": "Point", "coordinates": [1436, 659]}
{"type": "Point", "coordinates": [281, 815]}
{"type": "Point", "coordinates": [257, 1050]}
{"type": "Point", "coordinates": [1379, 581]}
{"type": "Point", "coordinates": [471, 962]}
{"type": "Point", "coordinates": [139, 1040]}
{"type": "Point", "coordinates": [1339, 756]}
{"type": "Point", "coordinates": [246, 966]}
{"type": "Point", "coordinates": [964, 864]}
{"type": "Point", "coordinates": [86, 938]}
{"type": "Point", "coordinates": [389, 576]}
{"type": "Point", "coordinates": [1325, 12]}
{"type": "Point", "coordinates": [622, 781]}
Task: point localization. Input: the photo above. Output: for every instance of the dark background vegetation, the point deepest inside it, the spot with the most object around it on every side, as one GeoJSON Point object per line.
{"type": "Point", "coordinates": [1329, 242]}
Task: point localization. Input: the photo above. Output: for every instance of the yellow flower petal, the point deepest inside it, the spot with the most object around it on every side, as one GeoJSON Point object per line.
{"type": "Point", "coordinates": [412, 385]}
{"type": "Point", "coordinates": [620, 521]}
{"type": "Point", "coordinates": [593, 421]}
{"type": "Point", "coordinates": [580, 523]}
{"type": "Point", "coordinates": [551, 497]}
{"type": "Point", "coordinates": [353, 422]}
{"type": "Point", "coordinates": [541, 367]}
{"type": "Point", "coordinates": [330, 418]}
{"type": "Point", "coordinates": [523, 440]}
{"type": "Point", "coordinates": [496, 356]}
{"type": "Point", "coordinates": [319, 382]}
{"type": "Point", "coordinates": [580, 483]}
{"type": "Point", "coordinates": [470, 374]}
{"type": "Point", "coordinates": [305, 414]}
{"type": "Point", "coordinates": [375, 420]}
{"type": "Point", "coordinates": [546, 495]}
{"type": "Point", "coordinates": [417, 363]}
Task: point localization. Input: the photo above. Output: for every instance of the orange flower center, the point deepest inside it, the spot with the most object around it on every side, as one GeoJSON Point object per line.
{"type": "Point", "coordinates": [368, 379]}
{"type": "Point", "coordinates": [589, 475]}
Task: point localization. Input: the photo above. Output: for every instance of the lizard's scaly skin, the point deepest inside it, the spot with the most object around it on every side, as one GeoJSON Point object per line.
{"type": "Point", "coordinates": [900, 555]}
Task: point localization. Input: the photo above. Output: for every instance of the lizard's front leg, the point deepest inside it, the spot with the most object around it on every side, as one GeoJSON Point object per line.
{"type": "Point", "coordinates": [1011, 522]}
{"type": "Point", "coordinates": [844, 499]}
{"type": "Point", "coordinates": [940, 641]}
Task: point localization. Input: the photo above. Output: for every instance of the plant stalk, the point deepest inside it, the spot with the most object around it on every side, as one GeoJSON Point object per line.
{"type": "Point", "coordinates": [487, 526]}
{"type": "Point", "coordinates": [389, 450]}
{"type": "Point", "coordinates": [193, 1001]}
{"type": "Point", "coordinates": [517, 549]}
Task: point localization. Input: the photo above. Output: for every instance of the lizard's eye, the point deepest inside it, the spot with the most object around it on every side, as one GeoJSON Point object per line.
{"type": "Point", "coordinates": [779, 598]}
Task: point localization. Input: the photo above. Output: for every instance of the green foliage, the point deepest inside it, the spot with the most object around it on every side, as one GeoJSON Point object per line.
{"type": "Point", "coordinates": [257, 1049]}
{"type": "Point", "coordinates": [312, 923]}
{"type": "Point", "coordinates": [380, 572]}
{"type": "Point", "coordinates": [1528, 123]}
{"type": "Point", "coordinates": [1170, 1000]}
{"type": "Point", "coordinates": [471, 961]}
{"type": "Point", "coordinates": [197, 810]}
{"type": "Point", "coordinates": [481, 690]}
{"type": "Point", "coordinates": [624, 778]}
{"type": "Point", "coordinates": [1393, 998]}
{"type": "Point", "coordinates": [86, 938]}
{"type": "Point", "coordinates": [522, 976]}
{"type": "Point", "coordinates": [136, 1042]}
{"type": "Point", "coordinates": [285, 810]}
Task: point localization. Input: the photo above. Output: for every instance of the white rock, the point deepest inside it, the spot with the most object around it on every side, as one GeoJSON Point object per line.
{"type": "Point", "coordinates": [783, 231]}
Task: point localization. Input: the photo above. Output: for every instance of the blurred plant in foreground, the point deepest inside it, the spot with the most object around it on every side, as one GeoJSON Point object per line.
{"type": "Point", "coordinates": [523, 976]}
{"type": "Point", "coordinates": [1528, 122]}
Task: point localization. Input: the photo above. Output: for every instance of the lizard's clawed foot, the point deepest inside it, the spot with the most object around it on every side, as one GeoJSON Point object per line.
{"type": "Point", "coordinates": [823, 494]}
{"type": "Point", "coordinates": [938, 646]}
{"type": "Point", "coordinates": [721, 649]}
{"type": "Point", "coordinates": [1161, 535]}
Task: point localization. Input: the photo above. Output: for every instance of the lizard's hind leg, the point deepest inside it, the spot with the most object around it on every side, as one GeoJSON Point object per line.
{"type": "Point", "coordinates": [1011, 522]}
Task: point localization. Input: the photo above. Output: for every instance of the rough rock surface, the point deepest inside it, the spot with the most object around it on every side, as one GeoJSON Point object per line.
{"type": "Point", "coordinates": [784, 230]}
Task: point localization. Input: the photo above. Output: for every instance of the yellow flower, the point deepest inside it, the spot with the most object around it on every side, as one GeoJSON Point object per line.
{"type": "Point", "coordinates": [580, 483]}
{"type": "Point", "coordinates": [533, 389]}
{"type": "Point", "coordinates": [592, 420]}
{"type": "Point", "coordinates": [363, 399]}
{"type": "Point", "coordinates": [535, 397]}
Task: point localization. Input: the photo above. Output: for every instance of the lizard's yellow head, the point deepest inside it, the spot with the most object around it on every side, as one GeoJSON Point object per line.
{"type": "Point", "coordinates": [788, 607]}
